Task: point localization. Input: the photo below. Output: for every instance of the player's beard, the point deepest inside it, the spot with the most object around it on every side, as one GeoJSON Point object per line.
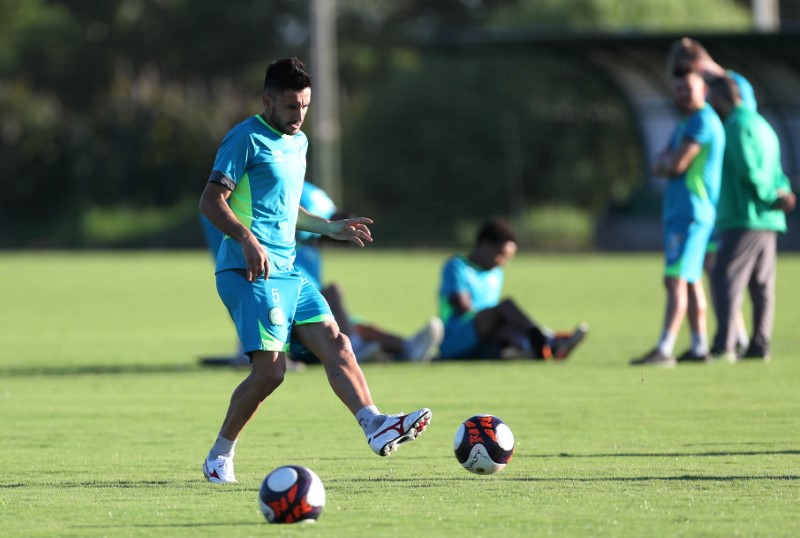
{"type": "Point", "coordinates": [284, 127]}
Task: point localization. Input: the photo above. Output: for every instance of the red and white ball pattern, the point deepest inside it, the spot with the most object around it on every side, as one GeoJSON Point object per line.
{"type": "Point", "coordinates": [484, 444]}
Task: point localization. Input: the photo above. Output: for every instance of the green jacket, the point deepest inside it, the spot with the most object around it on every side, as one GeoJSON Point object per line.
{"type": "Point", "coordinates": [751, 174]}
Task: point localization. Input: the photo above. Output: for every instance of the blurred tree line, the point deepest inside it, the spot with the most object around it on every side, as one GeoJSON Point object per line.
{"type": "Point", "coordinates": [112, 111]}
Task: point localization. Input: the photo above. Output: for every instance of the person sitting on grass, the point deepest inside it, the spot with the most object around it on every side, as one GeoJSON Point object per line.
{"type": "Point", "coordinates": [478, 325]}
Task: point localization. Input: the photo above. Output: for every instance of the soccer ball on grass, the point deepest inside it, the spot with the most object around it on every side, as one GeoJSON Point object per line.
{"type": "Point", "coordinates": [292, 494]}
{"type": "Point", "coordinates": [484, 444]}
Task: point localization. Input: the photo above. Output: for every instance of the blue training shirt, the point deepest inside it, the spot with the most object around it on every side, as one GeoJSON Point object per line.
{"type": "Point", "coordinates": [460, 275]}
{"type": "Point", "coordinates": [265, 170]}
{"type": "Point", "coordinates": [693, 195]}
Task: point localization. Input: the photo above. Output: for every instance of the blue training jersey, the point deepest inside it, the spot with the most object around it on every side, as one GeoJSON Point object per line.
{"type": "Point", "coordinates": [460, 275]}
{"type": "Point", "coordinates": [693, 195]}
{"type": "Point", "coordinates": [309, 262]}
{"type": "Point", "coordinates": [265, 170]}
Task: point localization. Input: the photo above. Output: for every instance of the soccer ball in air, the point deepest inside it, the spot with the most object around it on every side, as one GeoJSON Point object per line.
{"type": "Point", "coordinates": [484, 444]}
{"type": "Point", "coordinates": [292, 494]}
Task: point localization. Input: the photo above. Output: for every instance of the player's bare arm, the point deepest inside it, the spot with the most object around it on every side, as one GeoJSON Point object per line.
{"type": "Point", "coordinates": [460, 302]}
{"type": "Point", "coordinates": [214, 205]}
{"type": "Point", "coordinates": [354, 229]}
{"type": "Point", "coordinates": [677, 161]}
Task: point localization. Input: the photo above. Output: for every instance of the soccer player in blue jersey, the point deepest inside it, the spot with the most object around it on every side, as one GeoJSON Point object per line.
{"type": "Point", "coordinates": [478, 325]}
{"type": "Point", "coordinates": [688, 53]}
{"type": "Point", "coordinates": [253, 197]}
{"type": "Point", "coordinates": [692, 164]}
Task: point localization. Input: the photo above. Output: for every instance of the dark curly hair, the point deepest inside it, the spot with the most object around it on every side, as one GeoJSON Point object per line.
{"type": "Point", "coordinates": [496, 231]}
{"type": "Point", "coordinates": [286, 74]}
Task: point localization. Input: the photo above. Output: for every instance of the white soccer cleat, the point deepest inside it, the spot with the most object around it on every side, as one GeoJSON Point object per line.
{"type": "Point", "coordinates": [424, 345]}
{"type": "Point", "coordinates": [219, 470]}
{"type": "Point", "coordinates": [397, 429]}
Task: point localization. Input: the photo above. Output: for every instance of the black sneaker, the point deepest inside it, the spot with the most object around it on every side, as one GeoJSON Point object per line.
{"type": "Point", "coordinates": [755, 354]}
{"type": "Point", "coordinates": [691, 358]}
{"type": "Point", "coordinates": [565, 343]}
{"type": "Point", "coordinates": [655, 358]}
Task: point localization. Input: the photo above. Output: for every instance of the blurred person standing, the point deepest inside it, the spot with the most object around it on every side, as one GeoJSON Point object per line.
{"type": "Point", "coordinates": [753, 202]}
{"type": "Point", "coordinates": [690, 53]}
{"type": "Point", "coordinates": [692, 164]}
{"type": "Point", "coordinates": [253, 197]}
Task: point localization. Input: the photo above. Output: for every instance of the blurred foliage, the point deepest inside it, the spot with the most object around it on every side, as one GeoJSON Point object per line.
{"type": "Point", "coordinates": [118, 107]}
{"type": "Point", "coordinates": [623, 15]}
{"type": "Point", "coordinates": [531, 129]}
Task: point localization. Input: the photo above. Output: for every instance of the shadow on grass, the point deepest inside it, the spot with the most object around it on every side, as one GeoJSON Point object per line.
{"type": "Point", "coordinates": [174, 525]}
{"type": "Point", "coordinates": [95, 369]}
{"type": "Point", "coordinates": [788, 452]}
{"type": "Point", "coordinates": [122, 484]}
{"type": "Point", "coordinates": [682, 478]}
{"type": "Point", "coordinates": [710, 453]}
{"type": "Point", "coordinates": [419, 482]}
{"type": "Point", "coordinates": [98, 484]}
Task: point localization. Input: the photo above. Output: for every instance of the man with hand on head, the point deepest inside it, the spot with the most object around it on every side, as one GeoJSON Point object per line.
{"type": "Point", "coordinates": [753, 202]}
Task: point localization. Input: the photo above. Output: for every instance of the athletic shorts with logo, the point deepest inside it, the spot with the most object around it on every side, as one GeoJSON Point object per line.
{"type": "Point", "coordinates": [685, 245]}
{"type": "Point", "coordinates": [264, 311]}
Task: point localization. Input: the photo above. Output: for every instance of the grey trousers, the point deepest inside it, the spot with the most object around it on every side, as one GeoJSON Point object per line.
{"type": "Point", "coordinates": [746, 258]}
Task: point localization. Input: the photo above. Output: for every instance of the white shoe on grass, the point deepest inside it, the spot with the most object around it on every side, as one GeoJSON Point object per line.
{"type": "Point", "coordinates": [395, 430]}
{"type": "Point", "coordinates": [219, 470]}
{"type": "Point", "coordinates": [424, 345]}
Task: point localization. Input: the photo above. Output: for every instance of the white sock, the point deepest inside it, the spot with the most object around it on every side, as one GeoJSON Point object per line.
{"type": "Point", "coordinates": [366, 416]}
{"type": "Point", "coordinates": [222, 447]}
{"type": "Point", "coordinates": [667, 343]}
{"type": "Point", "coordinates": [699, 344]}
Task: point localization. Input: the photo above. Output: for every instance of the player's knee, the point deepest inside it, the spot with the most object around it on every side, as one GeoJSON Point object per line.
{"type": "Point", "coordinates": [344, 348]}
{"type": "Point", "coordinates": [268, 379]}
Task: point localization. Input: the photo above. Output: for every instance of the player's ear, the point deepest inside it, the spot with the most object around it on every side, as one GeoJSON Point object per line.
{"type": "Point", "coordinates": [265, 99]}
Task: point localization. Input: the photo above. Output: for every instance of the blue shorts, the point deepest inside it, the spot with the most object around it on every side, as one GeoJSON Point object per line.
{"type": "Point", "coordinates": [685, 249]}
{"type": "Point", "coordinates": [264, 311]}
{"type": "Point", "coordinates": [461, 340]}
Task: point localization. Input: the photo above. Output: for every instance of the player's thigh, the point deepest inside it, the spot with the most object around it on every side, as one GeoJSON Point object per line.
{"type": "Point", "coordinates": [311, 322]}
{"type": "Point", "coordinates": [323, 340]}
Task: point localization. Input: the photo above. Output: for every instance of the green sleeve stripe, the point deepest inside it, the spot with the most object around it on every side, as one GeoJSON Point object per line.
{"type": "Point", "coordinates": [241, 201]}
{"type": "Point", "coordinates": [695, 174]}
{"type": "Point", "coordinates": [316, 319]}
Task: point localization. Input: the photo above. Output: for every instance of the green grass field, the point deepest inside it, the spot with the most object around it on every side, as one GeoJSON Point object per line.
{"type": "Point", "coordinates": [105, 416]}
